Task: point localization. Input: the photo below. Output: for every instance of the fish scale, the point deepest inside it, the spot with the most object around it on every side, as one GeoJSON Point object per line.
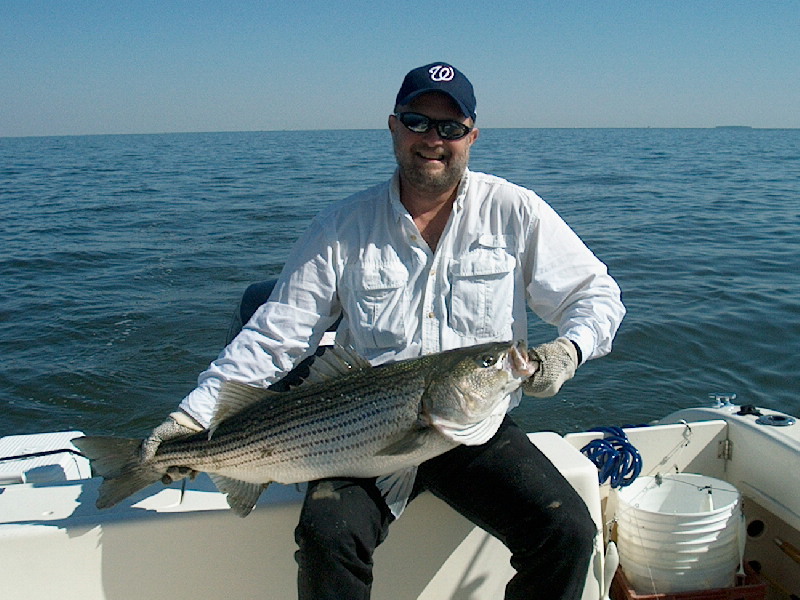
{"type": "Point", "coordinates": [349, 420]}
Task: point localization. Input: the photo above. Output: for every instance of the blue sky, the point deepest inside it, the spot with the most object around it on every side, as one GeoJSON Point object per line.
{"type": "Point", "coordinates": [85, 67]}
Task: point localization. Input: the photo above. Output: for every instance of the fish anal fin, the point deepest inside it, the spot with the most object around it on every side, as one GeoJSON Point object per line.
{"type": "Point", "coordinates": [241, 495]}
{"type": "Point", "coordinates": [234, 397]}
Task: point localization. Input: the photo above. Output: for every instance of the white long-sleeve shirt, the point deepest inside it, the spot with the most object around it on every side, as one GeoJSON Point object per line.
{"type": "Point", "coordinates": [364, 259]}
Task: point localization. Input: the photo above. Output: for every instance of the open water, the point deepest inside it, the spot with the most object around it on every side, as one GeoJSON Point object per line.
{"type": "Point", "coordinates": [122, 259]}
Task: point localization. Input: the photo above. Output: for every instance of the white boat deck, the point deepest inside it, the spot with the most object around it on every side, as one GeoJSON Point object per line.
{"type": "Point", "coordinates": [159, 544]}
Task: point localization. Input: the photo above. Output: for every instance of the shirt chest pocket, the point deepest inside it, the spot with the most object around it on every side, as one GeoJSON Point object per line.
{"type": "Point", "coordinates": [378, 302]}
{"type": "Point", "coordinates": [482, 292]}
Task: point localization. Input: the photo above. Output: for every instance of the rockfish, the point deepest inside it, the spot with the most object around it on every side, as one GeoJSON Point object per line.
{"type": "Point", "coordinates": [348, 419]}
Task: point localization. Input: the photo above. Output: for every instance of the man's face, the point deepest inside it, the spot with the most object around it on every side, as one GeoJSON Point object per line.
{"type": "Point", "coordinates": [427, 162]}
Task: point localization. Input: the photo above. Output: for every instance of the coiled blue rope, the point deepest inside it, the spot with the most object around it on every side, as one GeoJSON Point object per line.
{"type": "Point", "coordinates": [614, 456]}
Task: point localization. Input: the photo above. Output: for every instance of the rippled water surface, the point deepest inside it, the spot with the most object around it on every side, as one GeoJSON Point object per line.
{"type": "Point", "coordinates": [123, 258]}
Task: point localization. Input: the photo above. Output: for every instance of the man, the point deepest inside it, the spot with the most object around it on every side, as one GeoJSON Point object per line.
{"type": "Point", "coordinates": [436, 258]}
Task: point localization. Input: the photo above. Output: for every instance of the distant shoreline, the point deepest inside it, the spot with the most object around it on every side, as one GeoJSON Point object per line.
{"type": "Point", "coordinates": [300, 131]}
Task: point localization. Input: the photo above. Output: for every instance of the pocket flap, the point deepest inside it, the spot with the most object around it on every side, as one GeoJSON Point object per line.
{"type": "Point", "coordinates": [383, 276]}
{"type": "Point", "coordinates": [483, 262]}
{"type": "Point", "coordinates": [488, 240]}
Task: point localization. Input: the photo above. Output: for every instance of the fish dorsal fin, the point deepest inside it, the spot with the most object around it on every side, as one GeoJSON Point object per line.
{"type": "Point", "coordinates": [241, 495]}
{"type": "Point", "coordinates": [234, 397]}
{"type": "Point", "coordinates": [335, 361]}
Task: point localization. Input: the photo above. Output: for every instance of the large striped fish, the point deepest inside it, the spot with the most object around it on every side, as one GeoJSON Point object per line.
{"type": "Point", "coordinates": [349, 419]}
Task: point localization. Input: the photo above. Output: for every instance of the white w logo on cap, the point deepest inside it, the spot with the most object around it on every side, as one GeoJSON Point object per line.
{"type": "Point", "coordinates": [441, 73]}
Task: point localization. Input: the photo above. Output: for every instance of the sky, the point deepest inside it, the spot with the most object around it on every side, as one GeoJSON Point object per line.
{"type": "Point", "coordinates": [74, 67]}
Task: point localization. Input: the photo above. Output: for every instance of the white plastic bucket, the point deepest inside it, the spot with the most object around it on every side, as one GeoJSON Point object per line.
{"type": "Point", "coordinates": [708, 557]}
{"type": "Point", "coordinates": [678, 533]}
{"type": "Point", "coordinates": [653, 580]}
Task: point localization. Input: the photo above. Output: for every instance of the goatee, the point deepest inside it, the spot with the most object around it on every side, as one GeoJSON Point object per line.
{"type": "Point", "coordinates": [434, 183]}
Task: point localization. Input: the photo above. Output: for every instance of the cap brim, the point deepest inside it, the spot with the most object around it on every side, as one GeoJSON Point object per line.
{"type": "Point", "coordinates": [410, 98]}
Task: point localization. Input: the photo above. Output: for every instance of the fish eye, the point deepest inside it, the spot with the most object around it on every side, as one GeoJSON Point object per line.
{"type": "Point", "coordinates": [487, 360]}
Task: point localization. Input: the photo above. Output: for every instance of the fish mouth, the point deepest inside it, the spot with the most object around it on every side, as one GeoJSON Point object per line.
{"type": "Point", "coordinates": [518, 362]}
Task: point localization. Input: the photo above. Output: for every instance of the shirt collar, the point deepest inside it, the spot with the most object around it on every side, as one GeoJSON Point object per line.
{"type": "Point", "coordinates": [394, 196]}
{"type": "Point", "coordinates": [400, 210]}
{"type": "Point", "coordinates": [462, 191]}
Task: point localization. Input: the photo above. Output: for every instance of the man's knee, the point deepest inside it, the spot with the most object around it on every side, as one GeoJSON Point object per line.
{"type": "Point", "coordinates": [552, 560]}
{"type": "Point", "coordinates": [573, 526]}
{"type": "Point", "coordinates": [567, 532]}
{"type": "Point", "coordinates": [579, 527]}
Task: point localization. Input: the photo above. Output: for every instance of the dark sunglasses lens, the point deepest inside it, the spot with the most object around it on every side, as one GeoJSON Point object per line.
{"type": "Point", "coordinates": [447, 130]}
{"type": "Point", "coordinates": [452, 130]}
{"type": "Point", "coordinates": [416, 123]}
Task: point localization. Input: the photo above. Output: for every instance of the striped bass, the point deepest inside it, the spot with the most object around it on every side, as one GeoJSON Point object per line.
{"type": "Point", "coordinates": [348, 419]}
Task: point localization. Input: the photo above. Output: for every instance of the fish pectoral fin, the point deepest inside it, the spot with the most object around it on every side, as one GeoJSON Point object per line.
{"type": "Point", "coordinates": [335, 361]}
{"type": "Point", "coordinates": [241, 495]}
{"type": "Point", "coordinates": [413, 440]}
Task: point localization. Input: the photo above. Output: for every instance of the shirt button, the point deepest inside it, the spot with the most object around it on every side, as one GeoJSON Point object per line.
{"type": "Point", "coordinates": [431, 315]}
{"type": "Point", "coordinates": [413, 237]}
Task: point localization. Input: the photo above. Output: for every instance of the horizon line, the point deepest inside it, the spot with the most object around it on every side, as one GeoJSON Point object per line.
{"type": "Point", "coordinates": [299, 130]}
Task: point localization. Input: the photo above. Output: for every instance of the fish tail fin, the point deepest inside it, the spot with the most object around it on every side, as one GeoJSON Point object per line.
{"type": "Point", "coordinates": [116, 460]}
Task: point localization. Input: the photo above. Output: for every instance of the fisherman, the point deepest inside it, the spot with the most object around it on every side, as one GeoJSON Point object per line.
{"type": "Point", "coordinates": [437, 257]}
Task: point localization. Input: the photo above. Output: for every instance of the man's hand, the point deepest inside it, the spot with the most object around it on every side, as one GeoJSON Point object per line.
{"type": "Point", "coordinates": [557, 363]}
{"type": "Point", "coordinates": [178, 425]}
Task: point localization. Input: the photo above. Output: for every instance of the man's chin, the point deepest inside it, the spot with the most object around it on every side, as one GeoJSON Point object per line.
{"type": "Point", "coordinates": [432, 180]}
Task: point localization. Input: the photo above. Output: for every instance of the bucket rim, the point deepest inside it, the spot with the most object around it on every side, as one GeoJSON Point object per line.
{"type": "Point", "coordinates": [627, 495]}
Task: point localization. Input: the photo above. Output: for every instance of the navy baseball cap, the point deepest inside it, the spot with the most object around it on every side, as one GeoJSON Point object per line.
{"type": "Point", "coordinates": [438, 77]}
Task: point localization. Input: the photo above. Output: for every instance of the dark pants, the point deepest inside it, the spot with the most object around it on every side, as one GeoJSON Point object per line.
{"type": "Point", "coordinates": [506, 486]}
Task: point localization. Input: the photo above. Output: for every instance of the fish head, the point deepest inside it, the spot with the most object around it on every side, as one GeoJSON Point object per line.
{"type": "Point", "coordinates": [470, 382]}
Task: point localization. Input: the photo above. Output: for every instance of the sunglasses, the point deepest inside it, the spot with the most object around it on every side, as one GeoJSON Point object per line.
{"type": "Point", "coordinates": [447, 130]}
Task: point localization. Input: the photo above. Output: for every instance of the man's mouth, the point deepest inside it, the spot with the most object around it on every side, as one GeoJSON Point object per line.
{"type": "Point", "coordinates": [431, 156]}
